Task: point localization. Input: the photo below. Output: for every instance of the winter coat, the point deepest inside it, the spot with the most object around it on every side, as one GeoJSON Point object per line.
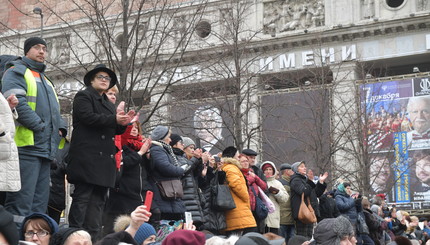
{"type": "Point", "coordinates": [397, 227]}
{"type": "Point", "coordinates": [9, 161]}
{"type": "Point", "coordinates": [347, 206]}
{"type": "Point", "coordinates": [282, 197]}
{"type": "Point", "coordinates": [240, 217]}
{"type": "Point", "coordinates": [45, 121]}
{"type": "Point", "coordinates": [214, 219]}
{"type": "Point", "coordinates": [192, 197]}
{"type": "Point", "coordinates": [301, 184]}
{"type": "Point", "coordinates": [133, 184]}
{"type": "Point", "coordinates": [164, 166]}
{"type": "Point", "coordinates": [57, 193]}
{"type": "Point", "coordinates": [375, 231]}
{"type": "Point", "coordinates": [254, 182]}
{"type": "Point", "coordinates": [92, 151]}
{"type": "Point", "coordinates": [286, 217]}
{"type": "Point", "coordinates": [328, 208]}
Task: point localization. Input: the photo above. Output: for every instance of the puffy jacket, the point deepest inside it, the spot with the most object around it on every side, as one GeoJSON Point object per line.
{"type": "Point", "coordinates": [240, 217]}
{"type": "Point", "coordinates": [346, 206]}
{"type": "Point", "coordinates": [282, 197]}
{"type": "Point", "coordinates": [164, 166]}
{"type": "Point", "coordinates": [45, 121]}
{"type": "Point", "coordinates": [192, 198]}
{"type": "Point", "coordinates": [286, 212]}
{"type": "Point", "coordinates": [328, 208]}
{"type": "Point", "coordinates": [301, 184]}
{"type": "Point", "coordinates": [9, 161]}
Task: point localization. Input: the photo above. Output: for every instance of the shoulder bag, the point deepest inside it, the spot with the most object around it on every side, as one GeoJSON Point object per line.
{"type": "Point", "coordinates": [222, 200]}
{"type": "Point", "coordinates": [170, 189]}
{"type": "Point", "coordinates": [261, 211]}
{"type": "Point", "coordinates": [306, 212]}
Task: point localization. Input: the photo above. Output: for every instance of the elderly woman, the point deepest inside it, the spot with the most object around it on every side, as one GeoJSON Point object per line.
{"type": "Point", "coordinates": [277, 194]}
{"type": "Point", "coordinates": [165, 167]}
{"type": "Point", "coordinates": [38, 228]}
{"type": "Point", "coordinates": [92, 168]}
{"type": "Point", "coordinates": [302, 184]}
{"type": "Point", "coordinates": [253, 182]}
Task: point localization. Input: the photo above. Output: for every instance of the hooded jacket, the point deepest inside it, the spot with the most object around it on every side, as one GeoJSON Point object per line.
{"type": "Point", "coordinates": [273, 219]}
{"type": "Point", "coordinates": [240, 217]}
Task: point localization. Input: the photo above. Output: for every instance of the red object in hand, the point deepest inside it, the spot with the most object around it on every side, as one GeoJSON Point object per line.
{"type": "Point", "coordinates": [148, 200]}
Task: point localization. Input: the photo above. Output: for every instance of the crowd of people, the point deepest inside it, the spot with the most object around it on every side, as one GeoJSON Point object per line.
{"type": "Point", "coordinates": [112, 167]}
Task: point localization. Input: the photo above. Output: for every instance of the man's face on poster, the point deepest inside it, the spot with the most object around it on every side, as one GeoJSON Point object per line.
{"type": "Point", "coordinates": [208, 125]}
{"type": "Point", "coordinates": [423, 169]}
{"type": "Point", "coordinates": [380, 170]}
{"type": "Point", "coordinates": [419, 113]}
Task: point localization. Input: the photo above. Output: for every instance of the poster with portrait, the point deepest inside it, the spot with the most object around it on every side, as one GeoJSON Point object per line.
{"type": "Point", "coordinates": [207, 123]}
{"type": "Point", "coordinates": [397, 119]}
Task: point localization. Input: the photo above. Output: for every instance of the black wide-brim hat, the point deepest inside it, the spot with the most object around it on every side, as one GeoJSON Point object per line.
{"type": "Point", "coordinates": [99, 68]}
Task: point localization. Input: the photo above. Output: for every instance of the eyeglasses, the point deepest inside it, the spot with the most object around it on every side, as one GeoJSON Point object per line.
{"type": "Point", "coordinates": [101, 77]}
{"type": "Point", "coordinates": [39, 48]}
{"type": "Point", "coordinates": [30, 234]}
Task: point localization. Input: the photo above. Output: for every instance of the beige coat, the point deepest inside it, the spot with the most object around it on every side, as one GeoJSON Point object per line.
{"type": "Point", "coordinates": [281, 198]}
{"type": "Point", "coordinates": [10, 179]}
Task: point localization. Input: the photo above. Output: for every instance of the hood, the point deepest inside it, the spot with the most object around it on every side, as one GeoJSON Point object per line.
{"type": "Point", "coordinates": [273, 166]}
{"type": "Point", "coordinates": [229, 160]}
{"type": "Point", "coordinates": [52, 224]}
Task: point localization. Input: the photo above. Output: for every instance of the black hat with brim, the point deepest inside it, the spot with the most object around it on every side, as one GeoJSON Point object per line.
{"type": "Point", "coordinates": [99, 68]}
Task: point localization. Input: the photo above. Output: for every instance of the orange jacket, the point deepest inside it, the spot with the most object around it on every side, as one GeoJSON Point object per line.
{"type": "Point", "coordinates": [241, 217]}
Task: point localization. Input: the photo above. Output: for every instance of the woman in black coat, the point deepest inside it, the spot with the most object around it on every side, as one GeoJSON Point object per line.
{"type": "Point", "coordinates": [165, 166]}
{"type": "Point", "coordinates": [91, 164]}
{"type": "Point", "coordinates": [300, 184]}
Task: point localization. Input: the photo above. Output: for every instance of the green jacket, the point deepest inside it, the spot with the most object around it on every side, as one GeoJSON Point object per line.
{"type": "Point", "coordinates": [286, 213]}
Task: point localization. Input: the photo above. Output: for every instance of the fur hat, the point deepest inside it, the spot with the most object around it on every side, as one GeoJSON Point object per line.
{"type": "Point", "coordinates": [159, 132]}
{"type": "Point", "coordinates": [144, 231]}
{"type": "Point", "coordinates": [185, 237]}
{"type": "Point", "coordinates": [229, 151]}
{"type": "Point", "coordinates": [8, 227]}
{"type": "Point", "coordinates": [100, 67]}
{"type": "Point", "coordinates": [175, 139]}
{"type": "Point", "coordinates": [30, 42]}
{"type": "Point", "coordinates": [52, 223]}
{"type": "Point", "coordinates": [187, 142]}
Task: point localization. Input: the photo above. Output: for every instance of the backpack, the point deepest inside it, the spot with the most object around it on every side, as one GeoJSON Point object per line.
{"type": "Point", "coordinates": [4, 60]}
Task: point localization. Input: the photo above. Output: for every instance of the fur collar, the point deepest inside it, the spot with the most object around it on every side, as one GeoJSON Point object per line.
{"type": "Point", "coordinates": [230, 160]}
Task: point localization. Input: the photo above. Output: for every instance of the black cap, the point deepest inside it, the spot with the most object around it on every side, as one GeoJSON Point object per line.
{"type": "Point", "coordinates": [285, 166]}
{"type": "Point", "coordinates": [99, 68]}
{"type": "Point", "coordinates": [229, 151]}
{"type": "Point", "coordinates": [30, 42]}
{"type": "Point", "coordinates": [249, 152]}
{"type": "Point", "coordinates": [175, 139]}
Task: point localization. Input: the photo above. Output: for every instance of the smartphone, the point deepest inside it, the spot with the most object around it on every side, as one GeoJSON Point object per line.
{"type": "Point", "coordinates": [148, 200]}
{"type": "Point", "coordinates": [188, 217]}
{"type": "Point", "coordinates": [217, 159]}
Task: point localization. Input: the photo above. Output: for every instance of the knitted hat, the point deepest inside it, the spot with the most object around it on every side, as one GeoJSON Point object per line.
{"type": "Point", "coordinates": [52, 223]}
{"type": "Point", "coordinates": [249, 152]}
{"type": "Point", "coordinates": [285, 166]}
{"type": "Point", "coordinates": [144, 231]}
{"type": "Point", "coordinates": [229, 151]}
{"type": "Point", "coordinates": [187, 142]}
{"type": "Point", "coordinates": [333, 230]}
{"type": "Point", "coordinates": [8, 227]}
{"type": "Point", "coordinates": [30, 42]}
{"type": "Point", "coordinates": [185, 237]}
{"type": "Point", "coordinates": [175, 139]}
{"type": "Point", "coordinates": [60, 237]}
{"type": "Point", "coordinates": [159, 133]}
{"type": "Point", "coordinates": [100, 67]}
{"type": "Point", "coordinates": [295, 166]}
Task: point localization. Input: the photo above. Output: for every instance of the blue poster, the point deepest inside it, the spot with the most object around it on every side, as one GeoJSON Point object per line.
{"type": "Point", "coordinates": [401, 168]}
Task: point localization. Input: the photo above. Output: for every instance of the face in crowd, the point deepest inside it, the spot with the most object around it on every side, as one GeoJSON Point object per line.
{"type": "Point", "coordinates": [37, 53]}
{"type": "Point", "coordinates": [38, 231]}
